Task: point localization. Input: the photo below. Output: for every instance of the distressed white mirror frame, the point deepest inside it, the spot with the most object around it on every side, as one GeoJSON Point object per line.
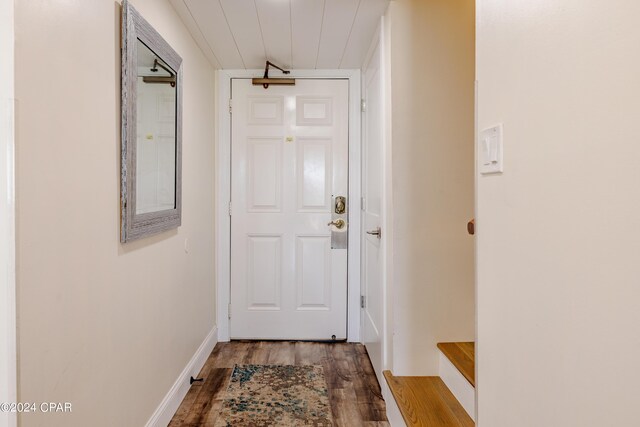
{"type": "Point", "coordinates": [137, 225]}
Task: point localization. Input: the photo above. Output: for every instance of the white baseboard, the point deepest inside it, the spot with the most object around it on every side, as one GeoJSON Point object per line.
{"type": "Point", "coordinates": [393, 412]}
{"type": "Point", "coordinates": [459, 386]}
{"type": "Point", "coordinates": [171, 402]}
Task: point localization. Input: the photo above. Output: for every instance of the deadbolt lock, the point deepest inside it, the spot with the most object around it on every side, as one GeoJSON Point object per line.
{"type": "Point", "coordinates": [341, 205]}
{"type": "Point", "coordinates": [338, 222]}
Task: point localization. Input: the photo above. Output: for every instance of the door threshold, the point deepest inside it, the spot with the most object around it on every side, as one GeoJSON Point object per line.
{"type": "Point", "coordinates": [290, 340]}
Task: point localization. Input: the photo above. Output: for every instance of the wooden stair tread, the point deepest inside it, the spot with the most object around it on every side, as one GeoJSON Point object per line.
{"type": "Point", "coordinates": [463, 357]}
{"type": "Point", "coordinates": [427, 402]}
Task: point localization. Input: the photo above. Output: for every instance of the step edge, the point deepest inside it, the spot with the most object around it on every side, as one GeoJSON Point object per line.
{"type": "Point", "coordinates": [443, 347]}
{"type": "Point", "coordinates": [404, 410]}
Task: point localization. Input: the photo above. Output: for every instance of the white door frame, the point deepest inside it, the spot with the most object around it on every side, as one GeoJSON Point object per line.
{"type": "Point", "coordinates": [8, 357]}
{"type": "Point", "coordinates": [223, 193]}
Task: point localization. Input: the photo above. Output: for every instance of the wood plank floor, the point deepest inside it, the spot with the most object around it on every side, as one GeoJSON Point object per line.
{"type": "Point", "coordinates": [353, 389]}
{"type": "Point", "coordinates": [463, 357]}
{"type": "Point", "coordinates": [427, 402]}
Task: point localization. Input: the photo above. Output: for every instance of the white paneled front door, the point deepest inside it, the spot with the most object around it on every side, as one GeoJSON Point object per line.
{"type": "Point", "coordinates": [289, 152]}
{"type": "Point", "coordinates": [156, 147]}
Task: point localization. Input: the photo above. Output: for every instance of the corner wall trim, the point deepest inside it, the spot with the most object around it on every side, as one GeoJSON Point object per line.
{"type": "Point", "coordinates": [8, 330]}
{"type": "Point", "coordinates": [393, 412]}
{"type": "Point", "coordinates": [171, 402]}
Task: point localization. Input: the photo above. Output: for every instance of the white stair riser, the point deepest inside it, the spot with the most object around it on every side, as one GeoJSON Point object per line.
{"type": "Point", "coordinates": [459, 386]}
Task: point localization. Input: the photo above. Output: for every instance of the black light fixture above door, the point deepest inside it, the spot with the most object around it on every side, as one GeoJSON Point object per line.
{"type": "Point", "coordinates": [266, 80]}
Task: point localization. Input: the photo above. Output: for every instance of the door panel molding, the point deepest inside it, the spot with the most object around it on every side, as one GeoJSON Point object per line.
{"type": "Point", "coordinates": [223, 191]}
{"type": "Point", "coordinates": [308, 297]}
{"type": "Point", "coordinates": [264, 256]}
{"type": "Point", "coordinates": [322, 202]}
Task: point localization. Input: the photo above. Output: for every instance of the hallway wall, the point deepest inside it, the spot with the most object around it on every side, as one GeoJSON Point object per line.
{"type": "Point", "coordinates": [558, 236]}
{"type": "Point", "coordinates": [432, 86]}
{"type": "Point", "coordinates": [105, 326]}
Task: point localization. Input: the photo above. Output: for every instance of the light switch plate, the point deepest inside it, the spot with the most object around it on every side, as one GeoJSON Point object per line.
{"type": "Point", "coordinates": [490, 150]}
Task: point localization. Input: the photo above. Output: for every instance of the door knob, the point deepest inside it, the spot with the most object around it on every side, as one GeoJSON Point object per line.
{"type": "Point", "coordinates": [471, 227]}
{"type": "Point", "coordinates": [377, 232]}
{"type": "Point", "coordinates": [339, 223]}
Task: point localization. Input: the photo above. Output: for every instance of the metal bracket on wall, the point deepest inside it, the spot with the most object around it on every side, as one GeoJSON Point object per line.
{"type": "Point", "coordinates": [266, 80]}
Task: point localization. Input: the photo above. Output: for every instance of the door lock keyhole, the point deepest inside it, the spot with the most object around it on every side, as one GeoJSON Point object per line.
{"type": "Point", "coordinates": [341, 205]}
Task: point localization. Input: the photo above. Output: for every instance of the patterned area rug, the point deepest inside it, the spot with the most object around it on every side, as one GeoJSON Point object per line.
{"type": "Point", "coordinates": [272, 395]}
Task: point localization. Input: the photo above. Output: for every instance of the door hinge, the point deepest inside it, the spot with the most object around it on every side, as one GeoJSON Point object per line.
{"type": "Point", "coordinates": [363, 301]}
{"type": "Point", "coordinates": [363, 105]}
{"type": "Point", "coordinates": [229, 208]}
{"type": "Point", "coordinates": [363, 205]}
{"type": "Point", "coordinates": [230, 105]}
{"type": "Point", "coordinates": [229, 310]}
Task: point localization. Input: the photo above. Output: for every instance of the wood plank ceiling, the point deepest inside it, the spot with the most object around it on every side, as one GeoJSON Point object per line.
{"type": "Point", "coordinates": [294, 34]}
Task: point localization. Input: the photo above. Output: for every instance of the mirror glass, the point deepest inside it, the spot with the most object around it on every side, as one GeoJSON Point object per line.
{"type": "Point", "coordinates": [156, 133]}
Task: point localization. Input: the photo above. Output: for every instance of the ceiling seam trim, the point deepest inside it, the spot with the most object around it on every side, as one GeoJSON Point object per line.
{"type": "Point", "coordinates": [324, 7]}
{"type": "Point", "coordinates": [291, 36]}
{"type": "Point", "coordinates": [355, 16]}
{"type": "Point", "coordinates": [264, 44]}
{"type": "Point", "coordinates": [232, 35]}
{"type": "Point", "coordinates": [201, 33]}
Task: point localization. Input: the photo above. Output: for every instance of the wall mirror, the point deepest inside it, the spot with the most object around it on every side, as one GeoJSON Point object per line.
{"type": "Point", "coordinates": [151, 176]}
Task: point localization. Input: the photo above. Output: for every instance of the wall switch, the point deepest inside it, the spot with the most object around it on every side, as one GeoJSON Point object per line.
{"type": "Point", "coordinates": [490, 150]}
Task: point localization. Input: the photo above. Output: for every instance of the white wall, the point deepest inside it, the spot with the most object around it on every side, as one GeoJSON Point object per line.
{"type": "Point", "coordinates": [7, 218]}
{"type": "Point", "coordinates": [432, 86]}
{"type": "Point", "coordinates": [105, 326]}
{"type": "Point", "coordinates": [558, 236]}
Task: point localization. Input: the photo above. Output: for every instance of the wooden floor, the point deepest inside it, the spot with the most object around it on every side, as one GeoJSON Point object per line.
{"type": "Point", "coordinates": [427, 402]}
{"type": "Point", "coordinates": [463, 357]}
{"type": "Point", "coordinates": [354, 391]}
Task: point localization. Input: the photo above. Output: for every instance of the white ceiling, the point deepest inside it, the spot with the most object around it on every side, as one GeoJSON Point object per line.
{"type": "Point", "coordinates": [294, 34]}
